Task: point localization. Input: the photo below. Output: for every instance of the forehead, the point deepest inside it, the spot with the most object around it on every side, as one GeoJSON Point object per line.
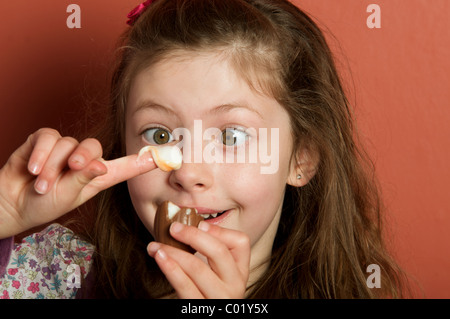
{"type": "Point", "coordinates": [195, 80]}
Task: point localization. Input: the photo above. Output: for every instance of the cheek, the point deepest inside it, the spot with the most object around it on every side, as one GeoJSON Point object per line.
{"type": "Point", "coordinates": [254, 189]}
{"type": "Point", "coordinates": [141, 190]}
{"type": "Point", "coordinates": [258, 188]}
{"type": "Point", "coordinates": [259, 197]}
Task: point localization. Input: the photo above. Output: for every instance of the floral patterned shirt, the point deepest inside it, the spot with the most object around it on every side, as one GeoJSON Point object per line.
{"type": "Point", "coordinates": [48, 264]}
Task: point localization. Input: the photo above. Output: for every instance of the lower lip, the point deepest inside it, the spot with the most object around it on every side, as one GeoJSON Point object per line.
{"type": "Point", "coordinates": [219, 219]}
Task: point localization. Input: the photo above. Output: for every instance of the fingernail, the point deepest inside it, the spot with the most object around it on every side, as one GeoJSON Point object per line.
{"type": "Point", "coordinates": [41, 186]}
{"type": "Point", "coordinates": [78, 159]}
{"type": "Point", "coordinates": [34, 168]}
{"type": "Point", "coordinates": [153, 248]}
{"type": "Point", "coordinates": [203, 226]}
{"type": "Point", "coordinates": [144, 157]}
{"type": "Point", "coordinates": [176, 227]}
{"type": "Point", "coordinates": [162, 254]}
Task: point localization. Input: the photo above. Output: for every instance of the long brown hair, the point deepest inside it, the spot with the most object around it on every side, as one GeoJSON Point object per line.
{"type": "Point", "coordinates": [330, 229]}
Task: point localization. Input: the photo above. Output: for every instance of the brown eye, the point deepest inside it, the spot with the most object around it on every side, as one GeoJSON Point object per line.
{"type": "Point", "coordinates": [234, 137]}
{"type": "Point", "coordinates": [157, 136]}
{"type": "Point", "coordinates": [228, 138]}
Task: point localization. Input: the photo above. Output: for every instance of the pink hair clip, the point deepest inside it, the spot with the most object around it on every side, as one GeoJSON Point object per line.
{"type": "Point", "coordinates": [136, 12]}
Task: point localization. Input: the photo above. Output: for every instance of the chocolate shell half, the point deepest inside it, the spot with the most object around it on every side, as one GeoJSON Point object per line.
{"type": "Point", "coordinates": [168, 213]}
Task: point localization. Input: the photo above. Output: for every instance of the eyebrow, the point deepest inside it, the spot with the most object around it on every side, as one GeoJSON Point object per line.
{"type": "Point", "coordinates": [228, 107]}
{"type": "Point", "coordinates": [148, 104]}
{"type": "Point", "coordinates": [223, 108]}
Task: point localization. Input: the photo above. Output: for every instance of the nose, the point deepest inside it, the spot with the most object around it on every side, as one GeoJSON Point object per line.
{"type": "Point", "coordinates": [192, 177]}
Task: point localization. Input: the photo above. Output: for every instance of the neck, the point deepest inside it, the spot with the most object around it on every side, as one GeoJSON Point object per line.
{"type": "Point", "coordinates": [261, 253]}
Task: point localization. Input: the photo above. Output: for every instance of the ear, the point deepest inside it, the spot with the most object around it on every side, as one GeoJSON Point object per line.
{"type": "Point", "coordinates": [303, 167]}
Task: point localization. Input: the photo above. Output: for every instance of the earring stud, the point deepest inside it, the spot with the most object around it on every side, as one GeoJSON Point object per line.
{"type": "Point", "coordinates": [299, 176]}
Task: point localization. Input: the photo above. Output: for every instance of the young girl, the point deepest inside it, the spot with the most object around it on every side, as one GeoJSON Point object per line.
{"type": "Point", "coordinates": [308, 230]}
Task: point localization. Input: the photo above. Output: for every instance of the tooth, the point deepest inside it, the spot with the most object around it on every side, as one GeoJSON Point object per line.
{"type": "Point", "coordinates": [214, 215]}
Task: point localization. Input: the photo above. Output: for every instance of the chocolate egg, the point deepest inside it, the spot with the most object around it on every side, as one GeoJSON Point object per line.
{"type": "Point", "coordinates": [168, 213]}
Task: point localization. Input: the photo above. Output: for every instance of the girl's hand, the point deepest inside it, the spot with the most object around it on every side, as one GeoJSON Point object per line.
{"type": "Point", "coordinates": [50, 175]}
{"type": "Point", "coordinates": [228, 255]}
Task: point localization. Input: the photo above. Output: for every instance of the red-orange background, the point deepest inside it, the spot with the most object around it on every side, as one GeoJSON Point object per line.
{"type": "Point", "coordinates": [397, 78]}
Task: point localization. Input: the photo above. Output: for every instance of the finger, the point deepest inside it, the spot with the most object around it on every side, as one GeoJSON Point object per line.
{"type": "Point", "coordinates": [42, 142]}
{"type": "Point", "coordinates": [178, 279]}
{"type": "Point", "coordinates": [227, 250]}
{"type": "Point", "coordinates": [18, 162]}
{"type": "Point", "coordinates": [55, 164]}
{"type": "Point", "coordinates": [88, 150]}
{"type": "Point", "coordinates": [119, 170]}
{"type": "Point", "coordinates": [83, 177]}
{"type": "Point", "coordinates": [238, 244]}
{"type": "Point", "coordinates": [204, 279]}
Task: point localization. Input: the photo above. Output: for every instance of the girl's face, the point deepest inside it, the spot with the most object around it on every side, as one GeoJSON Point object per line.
{"type": "Point", "coordinates": [204, 88]}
